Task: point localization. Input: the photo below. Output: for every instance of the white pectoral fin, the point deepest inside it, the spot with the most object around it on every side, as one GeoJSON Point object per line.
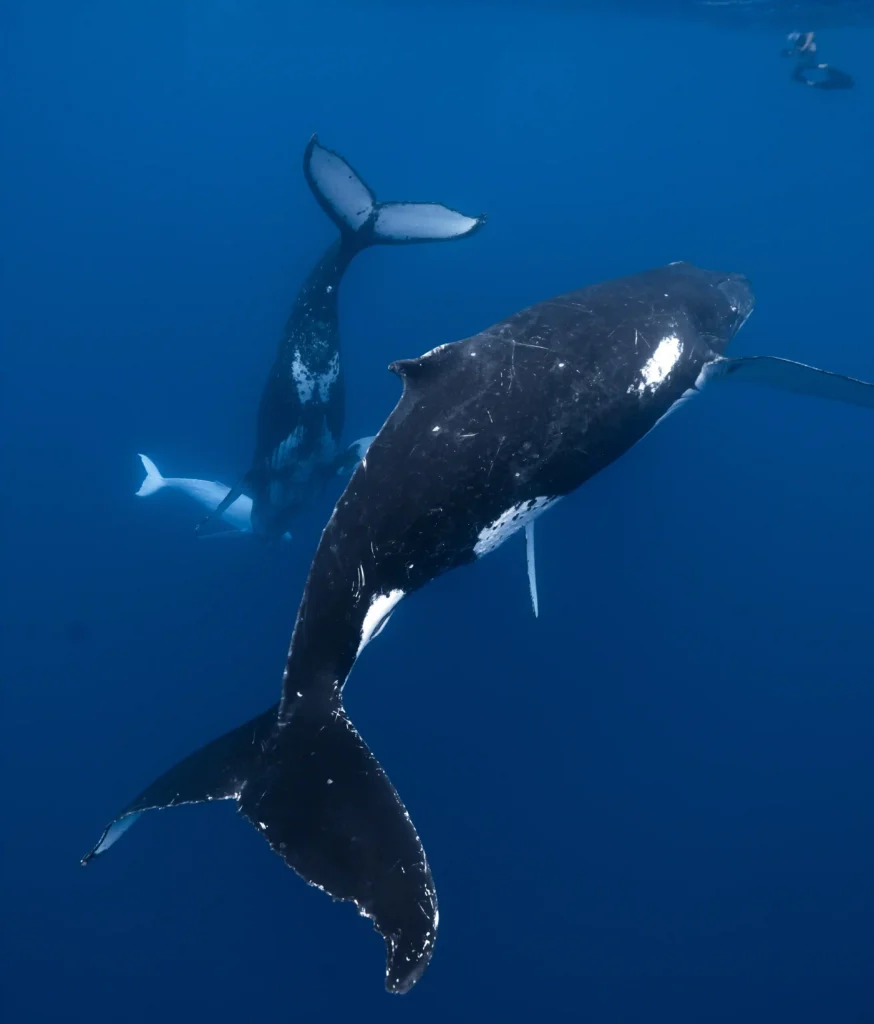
{"type": "Point", "coordinates": [799, 378]}
{"type": "Point", "coordinates": [360, 446]}
{"type": "Point", "coordinates": [532, 569]}
{"type": "Point", "coordinates": [354, 454]}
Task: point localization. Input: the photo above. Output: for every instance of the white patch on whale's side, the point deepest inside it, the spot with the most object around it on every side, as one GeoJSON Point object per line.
{"type": "Point", "coordinates": [308, 382]}
{"type": "Point", "coordinates": [381, 607]}
{"type": "Point", "coordinates": [507, 523]}
{"type": "Point", "coordinates": [284, 453]}
{"type": "Point", "coordinates": [659, 365]}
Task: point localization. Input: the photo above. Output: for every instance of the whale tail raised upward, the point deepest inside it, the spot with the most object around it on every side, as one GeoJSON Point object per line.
{"type": "Point", "coordinates": [353, 207]}
{"type": "Point", "coordinates": [310, 785]}
{"type": "Point", "coordinates": [154, 481]}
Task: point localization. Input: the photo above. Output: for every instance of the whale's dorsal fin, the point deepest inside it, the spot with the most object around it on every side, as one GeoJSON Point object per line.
{"type": "Point", "coordinates": [799, 378]}
{"type": "Point", "coordinates": [426, 366]}
{"type": "Point", "coordinates": [532, 570]}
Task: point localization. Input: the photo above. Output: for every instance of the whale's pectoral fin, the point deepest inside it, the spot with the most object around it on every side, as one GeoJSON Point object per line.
{"type": "Point", "coordinates": [532, 570]}
{"type": "Point", "coordinates": [786, 375]}
{"type": "Point", "coordinates": [348, 460]}
{"type": "Point", "coordinates": [215, 772]}
{"type": "Point", "coordinates": [222, 506]}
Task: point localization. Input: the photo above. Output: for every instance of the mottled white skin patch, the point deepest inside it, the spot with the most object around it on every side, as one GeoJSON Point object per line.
{"type": "Point", "coordinates": [309, 383]}
{"type": "Point", "coordinates": [659, 365]}
{"type": "Point", "coordinates": [381, 607]}
{"type": "Point", "coordinates": [507, 523]}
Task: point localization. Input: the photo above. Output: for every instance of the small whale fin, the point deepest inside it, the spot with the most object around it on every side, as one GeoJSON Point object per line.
{"type": "Point", "coordinates": [154, 481]}
{"type": "Point", "coordinates": [532, 569]}
{"type": "Point", "coordinates": [315, 792]}
{"type": "Point", "coordinates": [221, 508]}
{"type": "Point", "coordinates": [353, 207]}
{"type": "Point", "coordinates": [349, 459]}
{"type": "Point", "coordinates": [799, 378]}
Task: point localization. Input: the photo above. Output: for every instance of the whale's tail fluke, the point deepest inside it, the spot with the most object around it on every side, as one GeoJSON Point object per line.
{"type": "Point", "coordinates": [310, 785]}
{"type": "Point", "coordinates": [353, 207]}
{"type": "Point", "coordinates": [154, 481]}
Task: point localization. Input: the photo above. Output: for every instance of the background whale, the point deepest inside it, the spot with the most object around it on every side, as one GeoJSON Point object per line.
{"type": "Point", "coordinates": [300, 415]}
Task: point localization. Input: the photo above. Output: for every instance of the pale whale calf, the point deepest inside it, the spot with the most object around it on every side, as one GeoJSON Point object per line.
{"type": "Point", "coordinates": [208, 493]}
{"type": "Point", "coordinates": [488, 434]}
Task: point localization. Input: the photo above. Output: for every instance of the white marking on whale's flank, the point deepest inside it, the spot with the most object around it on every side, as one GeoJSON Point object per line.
{"type": "Point", "coordinates": [284, 452]}
{"type": "Point", "coordinates": [659, 365]}
{"type": "Point", "coordinates": [308, 383]}
{"type": "Point", "coordinates": [507, 523]}
{"type": "Point", "coordinates": [381, 607]}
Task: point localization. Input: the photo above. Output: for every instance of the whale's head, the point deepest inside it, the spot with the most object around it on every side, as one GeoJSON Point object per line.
{"type": "Point", "coordinates": [718, 304]}
{"type": "Point", "coordinates": [738, 294]}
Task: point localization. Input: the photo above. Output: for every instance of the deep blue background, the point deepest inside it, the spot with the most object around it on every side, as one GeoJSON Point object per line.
{"type": "Point", "coordinates": [656, 803]}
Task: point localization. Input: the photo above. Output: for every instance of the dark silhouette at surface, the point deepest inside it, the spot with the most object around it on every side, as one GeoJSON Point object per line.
{"type": "Point", "coordinates": [807, 70]}
{"type": "Point", "coordinates": [822, 76]}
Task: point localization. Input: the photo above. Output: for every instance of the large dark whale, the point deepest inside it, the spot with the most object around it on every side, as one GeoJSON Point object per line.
{"type": "Point", "coordinates": [488, 433]}
{"type": "Point", "coordinates": [300, 416]}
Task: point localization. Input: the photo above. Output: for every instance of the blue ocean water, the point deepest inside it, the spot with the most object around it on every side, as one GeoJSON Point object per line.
{"type": "Point", "coordinates": [656, 802]}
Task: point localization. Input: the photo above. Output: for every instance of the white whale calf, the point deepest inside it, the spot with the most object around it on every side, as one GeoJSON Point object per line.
{"type": "Point", "coordinates": [209, 493]}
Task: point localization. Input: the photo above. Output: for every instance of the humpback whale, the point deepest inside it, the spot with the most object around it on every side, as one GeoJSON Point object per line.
{"type": "Point", "coordinates": [209, 493]}
{"type": "Point", "coordinates": [489, 432]}
{"type": "Point", "coordinates": [300, 415]}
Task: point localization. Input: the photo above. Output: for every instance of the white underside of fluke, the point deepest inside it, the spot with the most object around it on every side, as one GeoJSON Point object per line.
{"type": "Point", "coordinates": [340, 187]}
{"type": "Point", "coordinates": [411, 221]}
{"type": "Point", "coordinates": [353, 205]}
